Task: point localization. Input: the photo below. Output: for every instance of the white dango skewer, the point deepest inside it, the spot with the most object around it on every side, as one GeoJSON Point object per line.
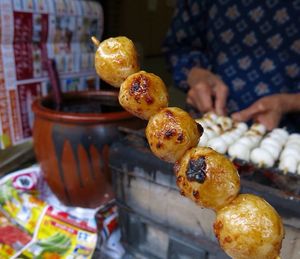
{"type": "Point", "coordinates": [217, 144]}
{"type": "Point", "coordinates": [288, 164]}
{"type": "Point", "coordinates": [240, 151]}
{"type": "Point", "coordinates": [294, 136]}
{"type": "Point", "coordinates": [211, 116]}
{"type": "Point", "coordinates": [298, 169]}
{"type": "Point", "coordinates": [203, 140]}
{"type": "Point", "coordinates": [225, 123]}
{"type": "Point", "coordinates": [273, 150]}
{"type": "Point", "coordinates": [262, 157]}
{"type": "Point", "coordinates": [290, 155]}
{"type": "Point", "coordinates": [241, 127]}
{"type": "Point", "coordinates": [270, 146]}
{"type": "Point", "coordinates": [259, 128]}
{"type": "Point", "coordinates": [229, 138]}
{"type": "Point", "coordinates": [290, 152]}
{"type": "Point", "coordinates": [281, 132]}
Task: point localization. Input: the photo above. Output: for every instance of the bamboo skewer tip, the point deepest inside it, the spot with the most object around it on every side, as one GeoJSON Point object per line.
{"type": "Point", "coordinates": [95, 41]}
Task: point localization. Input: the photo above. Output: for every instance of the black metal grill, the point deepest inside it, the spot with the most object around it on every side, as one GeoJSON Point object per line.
{"type": "Point", "coordinates": [134, 167]}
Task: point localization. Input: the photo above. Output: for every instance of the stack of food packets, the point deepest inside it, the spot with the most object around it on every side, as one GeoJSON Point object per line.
{"type": "Point", "coordinates": [33, 223]}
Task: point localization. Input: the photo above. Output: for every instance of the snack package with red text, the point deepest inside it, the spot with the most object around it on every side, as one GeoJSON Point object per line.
{"type": "Point", "coordinates": [33, 223]}
{"type": "Point", "coordinates": [61, 235]}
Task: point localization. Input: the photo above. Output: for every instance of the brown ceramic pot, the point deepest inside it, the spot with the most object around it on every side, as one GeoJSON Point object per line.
{"type": "Point", "coordinates": [72, 144]}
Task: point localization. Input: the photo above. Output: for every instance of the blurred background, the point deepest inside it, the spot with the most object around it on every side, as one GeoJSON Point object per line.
{"type": "Point", "coordinates": [146, 23]}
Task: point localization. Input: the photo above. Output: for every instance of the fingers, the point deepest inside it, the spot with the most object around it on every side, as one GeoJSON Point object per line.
{"type": "Point", "coordinates": [270, 119]}
{"type": "Point", "coordinates": [200, 96]}
{"type": "Point", "coordinates": [250, 112]}
{"type": "Point", "coordinates": [221, 93]}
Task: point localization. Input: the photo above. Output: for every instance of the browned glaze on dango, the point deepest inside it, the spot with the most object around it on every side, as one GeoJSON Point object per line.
{"type": "Point", "coordinates": [143, 94]}
{"type": "Point", "coordinates": [249, 228]}
{"type": "Point", "coordinates": [171, 132]}
{"type": "Point", "coordinates": [115, 59]}
{"type": "Point", "coordinates": [207, 177]}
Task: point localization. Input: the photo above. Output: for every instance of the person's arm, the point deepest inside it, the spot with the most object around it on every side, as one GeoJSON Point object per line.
{"type": "Point", "coordinates": [270, 109]}
{"type": "Point", "coordinates": [187, 52]}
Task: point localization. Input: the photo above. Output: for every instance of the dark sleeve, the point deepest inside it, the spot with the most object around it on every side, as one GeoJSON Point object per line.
{"type": "Point", "coordinates": [185, 45]}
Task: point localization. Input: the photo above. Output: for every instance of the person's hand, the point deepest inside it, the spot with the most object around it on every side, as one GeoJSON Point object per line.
{"type": "Point", "coordinates": [207, 91]}
{"type": "Point", "coordinates": [267, 111]}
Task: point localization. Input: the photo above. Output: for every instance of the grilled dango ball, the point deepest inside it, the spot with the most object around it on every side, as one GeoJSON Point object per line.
{"type": "Point", "coordinates": [115, 59]}
{"type": "Point", "coordinates": [171, 132]}
{"type": "Point", "coordinates": [143, 94]}
{"type": "Point", "coordinates": [207, 177]}
{"type": "Point", "coordinates": [249, 228]}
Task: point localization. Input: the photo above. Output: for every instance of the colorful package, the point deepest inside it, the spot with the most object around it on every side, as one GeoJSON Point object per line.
{"type": "Point", "coordinates": [33, 224]}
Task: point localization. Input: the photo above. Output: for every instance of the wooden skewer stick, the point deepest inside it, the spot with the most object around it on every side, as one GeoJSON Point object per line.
{"type": "Point", "coordinates": [95, 41]}
{"type": "Point", "coordinates": [261, 164]}
{"type": "Point", "coordinates": [232, 158]}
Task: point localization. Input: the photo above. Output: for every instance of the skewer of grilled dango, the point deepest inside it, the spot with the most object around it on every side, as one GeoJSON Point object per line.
{"type": "Point", "coordinates": [205, 176]}
{"type": "Point", "coordinates": [143, 94]}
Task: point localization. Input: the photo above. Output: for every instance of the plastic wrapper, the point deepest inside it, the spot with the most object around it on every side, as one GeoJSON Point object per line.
{"type": "Point", "coordinates": [34, 224]}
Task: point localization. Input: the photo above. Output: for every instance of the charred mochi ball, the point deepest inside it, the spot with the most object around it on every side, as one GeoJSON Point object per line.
{"type": "Point", "coordinates": [207, 177]}
{"type": "Point", "coordinates": [171, 132]}
{"type": "Point", "coordinates": [143, 94]}
{"type": "Point", "coordinates": [115, 59]}
{"type": "Point", "coordinates": [249, 228]}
